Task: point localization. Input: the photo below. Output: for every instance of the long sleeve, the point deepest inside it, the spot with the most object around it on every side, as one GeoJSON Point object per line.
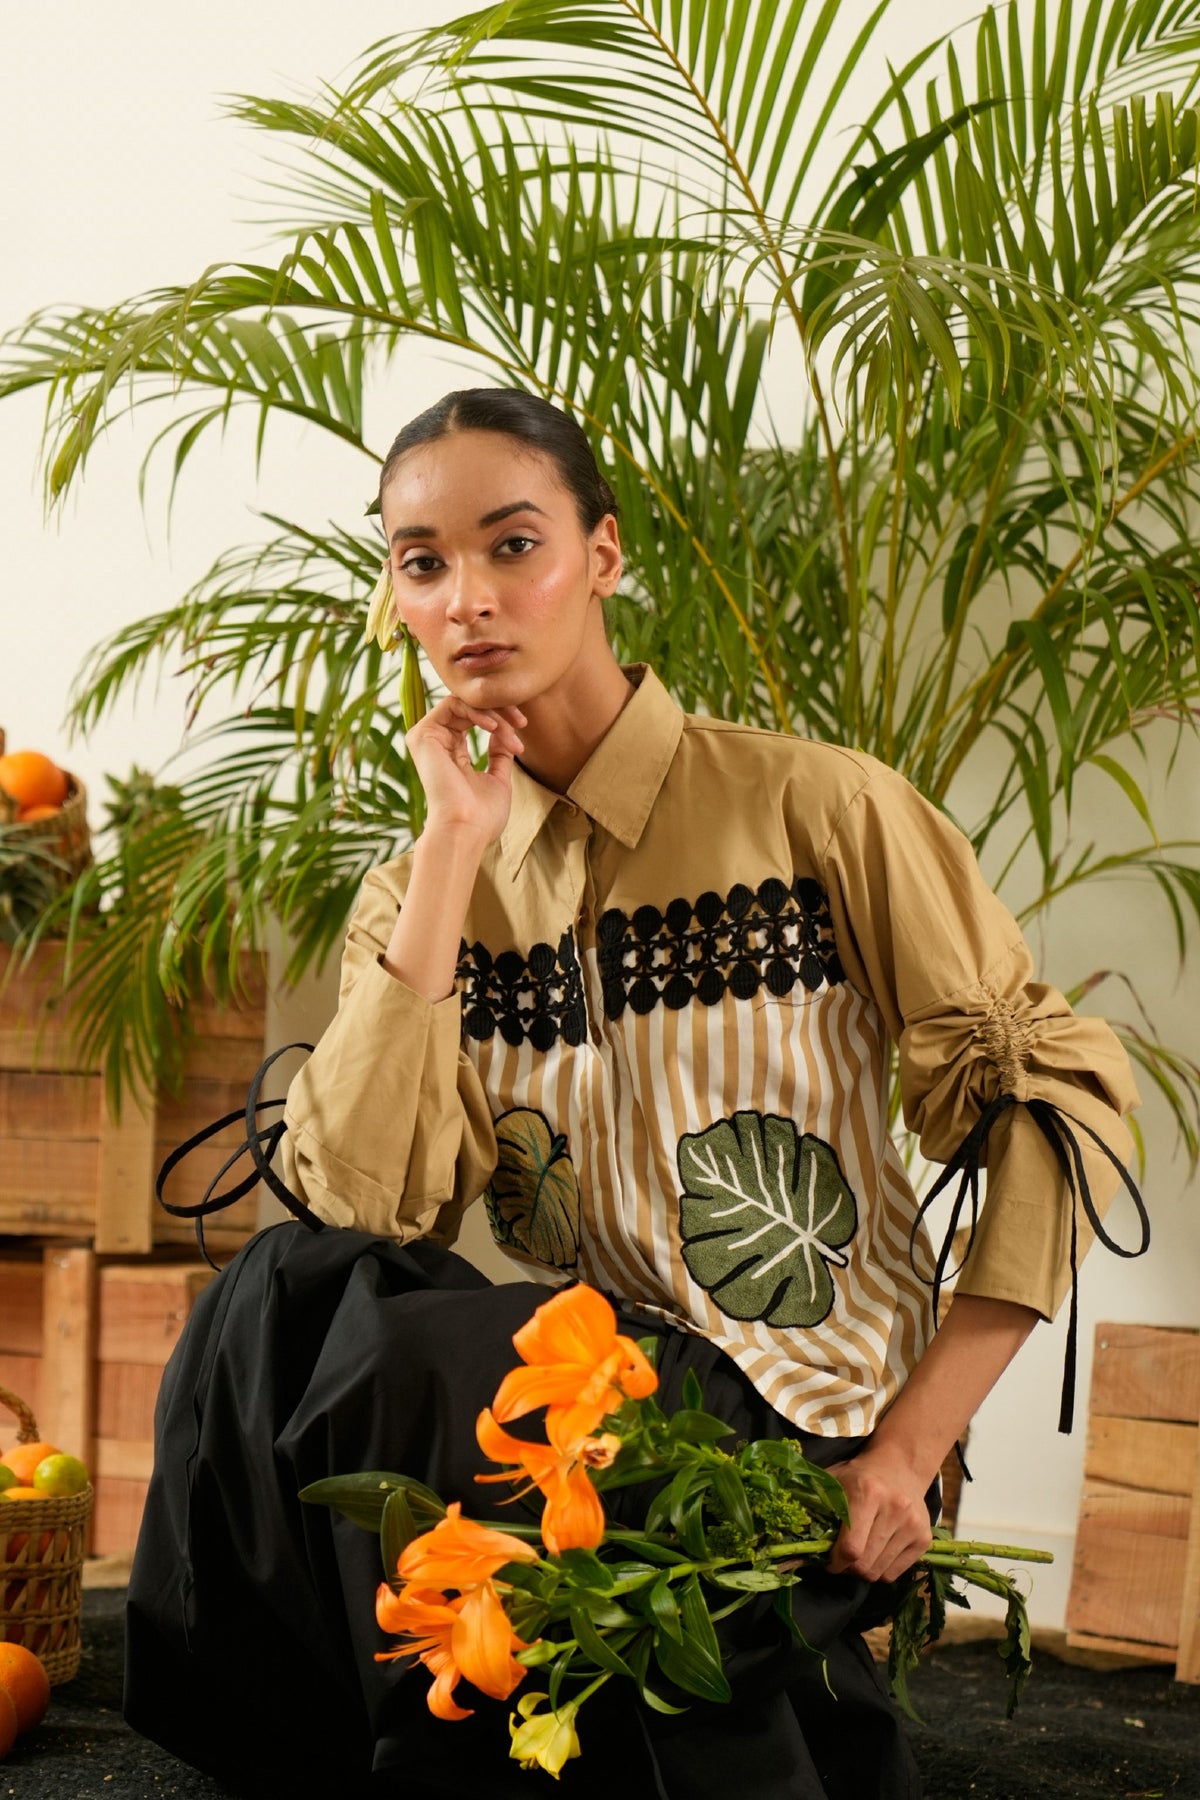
{"type": "Point", "coordinates": [388, 1127]}
{"type": "Point", "coordinates": [919, 929]}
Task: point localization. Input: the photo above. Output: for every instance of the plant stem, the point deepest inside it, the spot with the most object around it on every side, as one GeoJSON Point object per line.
{"type": "Point", "coordinates": [951, 1549]}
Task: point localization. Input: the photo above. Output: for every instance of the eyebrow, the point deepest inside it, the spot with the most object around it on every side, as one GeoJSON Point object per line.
{"type": "Point", "coordinates": [403, 532]}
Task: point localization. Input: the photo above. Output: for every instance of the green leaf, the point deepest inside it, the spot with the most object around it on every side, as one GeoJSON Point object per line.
{"type": "Point", "coordinates": [584, 1569]}
{"type": "Point", "coordinates": [764, 1212]}
{"type": "Point", "coordinates": [691, 1658]}
{"type": "Point", "coordinates": [698, 1427]}
{"type": "Point", "coordinates": [595, 1646]}
{"type": "Point", "coordinates": [397, 1529]}
{"type": "Point", "coordinates": [362, 1498]}
{"type": "Point", "coordinates": [532, 1199]}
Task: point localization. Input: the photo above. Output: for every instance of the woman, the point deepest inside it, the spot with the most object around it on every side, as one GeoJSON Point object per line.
{"type": "Point", "coordinates": [635, 985]}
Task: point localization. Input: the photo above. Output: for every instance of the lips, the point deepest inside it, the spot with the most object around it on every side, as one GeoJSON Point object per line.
{"type": "Point", "coordinates": [481, 658]}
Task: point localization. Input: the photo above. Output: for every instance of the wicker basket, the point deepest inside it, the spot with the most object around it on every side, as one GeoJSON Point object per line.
{"type": "Point", "coordinates": [41, 1567]}
{"type": "Point", "coordinates": [65, 835]}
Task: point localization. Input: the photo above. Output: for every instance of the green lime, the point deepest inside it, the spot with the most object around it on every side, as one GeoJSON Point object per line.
{"type": "Point", "coordinates": [59, 1475]}
{"type": "Point", "coordinates": [7, 1477]}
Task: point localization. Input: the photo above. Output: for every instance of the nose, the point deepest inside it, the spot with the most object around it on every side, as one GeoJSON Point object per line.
{"type": "Point", "coordinates": [471, 596]}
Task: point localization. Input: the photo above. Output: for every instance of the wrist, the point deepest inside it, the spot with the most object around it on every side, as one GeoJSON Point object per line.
{"type": "Point", "coordinates": [915, 1458]}
{"type": "Point", "coordinates": [452, 844]}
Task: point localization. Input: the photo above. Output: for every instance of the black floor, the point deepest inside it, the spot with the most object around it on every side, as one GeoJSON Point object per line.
{"type": "Point", "coordinates": [1080, 1734]}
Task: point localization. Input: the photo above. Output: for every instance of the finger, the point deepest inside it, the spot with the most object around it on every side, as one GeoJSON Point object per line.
{"type": "Point", "coordinates": [461, 716]}
{"type": "Point", "coordinates": [505, 740]}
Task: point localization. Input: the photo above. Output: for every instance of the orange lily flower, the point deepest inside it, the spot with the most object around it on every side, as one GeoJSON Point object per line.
{"type": "Point", "coordinates": [468, 1637]}
{"type": "Point", "coordinates": [578, 1365]}
{"type": "Point", "coordinates": [458, 1553]}
{"type": "Point", "coordinates": [573, 1516]}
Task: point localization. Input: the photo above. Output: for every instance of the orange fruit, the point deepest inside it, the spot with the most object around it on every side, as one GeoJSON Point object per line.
{"type": "Point", "coordinates": [28, 814]}
{"type": "Point", "coordinates": [24, 1492]}
{"type": "Point", "coordinates": [31, 779]}
{"type": "Point", "coordinates": [23, 1459]}
{"type": "Point", "coordinates": [24, 1679]}
{"type": "Point", "coordinates": [8, 1723]}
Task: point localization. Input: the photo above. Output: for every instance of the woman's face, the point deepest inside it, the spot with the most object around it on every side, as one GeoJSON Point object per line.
{"type": "Point", "coordinates": [493, 572]}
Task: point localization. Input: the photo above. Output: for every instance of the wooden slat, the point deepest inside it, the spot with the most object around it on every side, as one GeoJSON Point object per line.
{"type": "Point", "coordinates": [22, 1375]}
{"type": "Point", "coordinates": [117, 1514]}
{"type": "Point", "coordinates": [224, 1059]}
{"type": "Point", "coordinates": [202, 1102]}
{"type": "Point", "coordinates": [1134, 1509]}
{"type": "Point", "coordinates": [246, 1023]}
{"type": "Point", "coordinates": [1187, 1665]}
{"type": "Point", "coordinates": [125, 1397]}
{"type": "Point", "coordinates": [1142, 1453]}
{"type": "Point", "coordinates": [69, 1351]}
{"type": "Point", "coordinates": [1110, 1646]}
{"type": "Point", "coordinates": [22, 1047]}
{"type": "Point", "coordinates": [21, 1307]}
{"type": "Point", "coordinates": [47, 1178]}
{"type": "Point", "coordinates": [45, 1106]}
{"type": "Point", "coordinates": [125, 1178]}
{"type": "Point", "coordinates": [142, 1311]}
{"type": "Point", "coordinates": [1146, 1372]}
{"type": "Point", "coordinates": [125, 1458]}
{"type": "Point", "coordinates": [1126, 1584]}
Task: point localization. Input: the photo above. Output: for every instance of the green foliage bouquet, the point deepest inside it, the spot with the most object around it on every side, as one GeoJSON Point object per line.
{"type": "Point", "coordinates": [581, 1599]}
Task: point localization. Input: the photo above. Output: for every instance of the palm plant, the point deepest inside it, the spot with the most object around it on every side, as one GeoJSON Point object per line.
{"type": "Point", "coordinates": [905, 452]}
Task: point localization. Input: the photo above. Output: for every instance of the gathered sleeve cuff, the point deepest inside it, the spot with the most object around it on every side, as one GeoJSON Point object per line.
{"type": "Point", "coordinates": [996, 1070]}
{"type": "Point", "coordinates": [1008, 1037]}
{"type": "Point", "coordinates": [388, 1128]}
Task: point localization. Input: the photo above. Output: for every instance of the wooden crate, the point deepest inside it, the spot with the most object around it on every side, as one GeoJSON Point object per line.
{"type": "Point", "coordinates": [85, 1342]}
{"type": "Point", "coordinates": [69, 1170]}
{"type": "Point", "coordinates": [1135, 1584]}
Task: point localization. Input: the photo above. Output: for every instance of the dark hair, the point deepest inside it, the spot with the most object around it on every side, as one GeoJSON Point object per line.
{"type": "Point", "coordinates": [534, 422]}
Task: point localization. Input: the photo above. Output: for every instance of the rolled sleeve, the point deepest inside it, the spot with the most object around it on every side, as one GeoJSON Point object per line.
{"type": "Point", "coordinates": [388, 1129]}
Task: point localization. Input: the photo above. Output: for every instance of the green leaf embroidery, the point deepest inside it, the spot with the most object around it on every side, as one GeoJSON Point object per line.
{"type": "Point", "coordinates": [533, 1198]}
{"type": "Point", "coordinates": [763, 1213]}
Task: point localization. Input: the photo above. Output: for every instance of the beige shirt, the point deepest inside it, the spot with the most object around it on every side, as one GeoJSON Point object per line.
{"type": "Point", "coordinates": [666, 1066]}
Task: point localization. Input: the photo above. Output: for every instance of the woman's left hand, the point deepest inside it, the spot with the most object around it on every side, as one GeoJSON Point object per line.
{"type": "Point", "coordinates": [889, 1520]}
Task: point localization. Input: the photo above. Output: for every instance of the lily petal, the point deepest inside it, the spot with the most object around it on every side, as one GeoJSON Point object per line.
{"type": "Point", "coordinates": [483, 1642]}
{"type": "Point", "coordinates": [459, 1553]}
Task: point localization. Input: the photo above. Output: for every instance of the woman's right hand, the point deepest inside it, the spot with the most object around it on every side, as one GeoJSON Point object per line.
{"type": "Point", "coordinates": [458, 796]}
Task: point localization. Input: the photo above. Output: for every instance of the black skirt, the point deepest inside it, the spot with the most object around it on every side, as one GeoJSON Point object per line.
{"type": "Point", "coordinates": [251, 1633]}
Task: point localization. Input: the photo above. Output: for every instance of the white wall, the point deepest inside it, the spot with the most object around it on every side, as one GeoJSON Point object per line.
{"type": "Point", "coordinates": [117, 173]}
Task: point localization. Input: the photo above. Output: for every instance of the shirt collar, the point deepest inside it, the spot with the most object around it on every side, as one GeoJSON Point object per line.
{"type": "Point", "coordinates": [619, 782]}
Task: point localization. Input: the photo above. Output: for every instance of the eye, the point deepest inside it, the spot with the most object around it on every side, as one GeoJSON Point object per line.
{"type": "Point", "coordinates": [518, 544]}
{"type": "Point", "coordinates": [420, 565]}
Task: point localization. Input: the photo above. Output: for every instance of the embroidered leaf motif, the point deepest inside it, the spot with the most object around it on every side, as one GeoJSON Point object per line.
{"type": "Point", "coordinates": [763, 1213]}
{"type": "Point", "coordinates": [533, 1198]}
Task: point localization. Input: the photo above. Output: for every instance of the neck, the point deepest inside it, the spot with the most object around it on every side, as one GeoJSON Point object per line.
{"type": "Point", "coordinates": [566, 724]}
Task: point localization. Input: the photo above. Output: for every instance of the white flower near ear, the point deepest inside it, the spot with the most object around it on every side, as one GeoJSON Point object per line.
{"type": "Point", "coordinates": [381, 613]}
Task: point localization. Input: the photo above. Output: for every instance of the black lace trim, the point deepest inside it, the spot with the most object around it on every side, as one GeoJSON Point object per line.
{"type": "Point", "coordinates": [771, 937]}
{"type": "Point", "coordinates": [536, 998]}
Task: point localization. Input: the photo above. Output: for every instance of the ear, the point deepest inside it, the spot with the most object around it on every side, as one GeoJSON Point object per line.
{"type": "Point", "coordinates": [607, 564]}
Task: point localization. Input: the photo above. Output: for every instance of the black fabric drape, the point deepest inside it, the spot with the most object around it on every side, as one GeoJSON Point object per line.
{"type": "Point", "coordinates": [251, 1632]}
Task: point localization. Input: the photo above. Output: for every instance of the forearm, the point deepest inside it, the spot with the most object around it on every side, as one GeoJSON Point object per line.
{"type": "Point", "coordinates": [423, 949]}
{"type": "Point", "coordinates": [887, 1482]}
{"type": "Point", "coordinates": [973, 1347]}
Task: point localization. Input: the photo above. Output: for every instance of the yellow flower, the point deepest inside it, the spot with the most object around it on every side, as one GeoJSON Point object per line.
{"type": "Point", "coordinates": [381, 614]}
{"type": "Point", "coordinates": [545, 1741]}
